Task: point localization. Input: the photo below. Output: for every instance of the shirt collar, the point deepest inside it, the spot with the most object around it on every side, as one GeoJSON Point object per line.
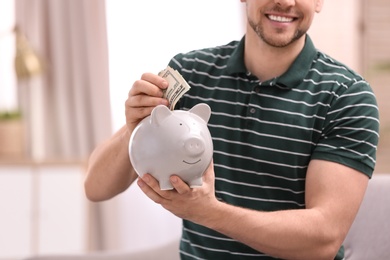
{"type": "Point", "coordinates": [236, 63]}
{"type": "Point", "coordinates": [292, 77]}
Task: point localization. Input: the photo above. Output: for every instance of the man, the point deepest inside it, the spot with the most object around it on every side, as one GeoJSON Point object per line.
{"type": "Point", "coordinates": [294, 133]}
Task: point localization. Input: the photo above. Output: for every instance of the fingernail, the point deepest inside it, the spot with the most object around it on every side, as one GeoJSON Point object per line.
{"type": "Point", "coordinates": [140, 183]}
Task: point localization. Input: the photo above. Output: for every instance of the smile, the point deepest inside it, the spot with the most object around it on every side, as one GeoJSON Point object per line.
{"type": "Point", "coordinates": [281, 19]}
{"type": "Point", "coordinates": [191, 162]}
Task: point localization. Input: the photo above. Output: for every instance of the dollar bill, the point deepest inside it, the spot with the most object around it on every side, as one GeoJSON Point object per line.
{"type": "Point", "coordinates": [177, 86]}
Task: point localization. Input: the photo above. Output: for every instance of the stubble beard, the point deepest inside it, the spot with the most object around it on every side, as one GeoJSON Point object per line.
{"type": "Point", "coordinates": [274, 41]}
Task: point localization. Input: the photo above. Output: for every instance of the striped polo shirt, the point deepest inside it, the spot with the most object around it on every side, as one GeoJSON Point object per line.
{"type": "Point", "coordinates": [266, 132]}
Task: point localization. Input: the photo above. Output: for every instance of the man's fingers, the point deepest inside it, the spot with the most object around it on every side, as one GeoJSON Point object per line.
{"type": "Point", "coordinates": [180, 186]}
{"type": "Point", "coordinates": [155, 80]}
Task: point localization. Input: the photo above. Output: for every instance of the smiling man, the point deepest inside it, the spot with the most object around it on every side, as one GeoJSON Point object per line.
{"type": "Point", "coordinates": [294, 134]}
{"type": "Point", "coordinates": [279, 27]}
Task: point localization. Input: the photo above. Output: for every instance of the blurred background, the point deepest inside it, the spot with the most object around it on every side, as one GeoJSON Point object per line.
{"type": "Point", "coordinates": [66, 67]}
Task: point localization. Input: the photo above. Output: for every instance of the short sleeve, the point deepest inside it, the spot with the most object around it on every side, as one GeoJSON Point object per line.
{"type": "Point", "coordinates": [351, 132]}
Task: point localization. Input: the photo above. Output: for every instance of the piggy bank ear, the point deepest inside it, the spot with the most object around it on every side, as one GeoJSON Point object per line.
{"type": "Point", "coordinates": [202, 110]}
{"type": "Point", "coordinates": [159, 114]}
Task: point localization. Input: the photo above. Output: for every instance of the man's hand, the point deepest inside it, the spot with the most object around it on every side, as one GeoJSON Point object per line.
{"type": "Point", "coordinates": [183, 201]}
{"type": "Point", "coordinates": [145, 95]}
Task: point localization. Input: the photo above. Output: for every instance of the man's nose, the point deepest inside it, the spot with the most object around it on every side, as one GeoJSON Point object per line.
{"type": "Point", "coordinates": [285, 3]}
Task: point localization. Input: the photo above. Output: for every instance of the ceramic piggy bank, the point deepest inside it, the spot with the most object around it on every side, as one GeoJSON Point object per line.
{"type": "Point", "coordinates": [173, 143]}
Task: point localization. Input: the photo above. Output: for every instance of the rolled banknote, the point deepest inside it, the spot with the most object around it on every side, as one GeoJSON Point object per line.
{"type": "Point", "coordinates": [177, 86]}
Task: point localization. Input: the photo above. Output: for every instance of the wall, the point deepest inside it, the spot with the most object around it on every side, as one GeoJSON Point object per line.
{"type": "Point", "coordinates": [144, 35]}
{"type": "Point", "coordinates": [336, 31]}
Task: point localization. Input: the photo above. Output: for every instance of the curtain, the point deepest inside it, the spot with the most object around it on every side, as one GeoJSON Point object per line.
{"type": "Point", "coordinates": [66, 108]}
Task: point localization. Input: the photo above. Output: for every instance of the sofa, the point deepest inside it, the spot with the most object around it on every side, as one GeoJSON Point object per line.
{"type": "Point", "coordinates": [369, 236]}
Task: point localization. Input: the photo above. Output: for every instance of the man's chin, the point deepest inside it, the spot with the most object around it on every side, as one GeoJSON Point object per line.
{"type": "Point", "coordinates": [281, 41]}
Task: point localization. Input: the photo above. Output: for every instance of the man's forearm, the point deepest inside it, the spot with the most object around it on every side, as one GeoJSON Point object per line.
{"type": "Point", "coordinates": [109, 169]}
{"type": "Point", "coordinates": [289, 234]}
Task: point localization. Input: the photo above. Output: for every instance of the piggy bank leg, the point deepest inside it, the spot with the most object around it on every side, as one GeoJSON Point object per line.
{"type": "Point", "coordinates": [165, 185]}
{"type": "Point", "coordinates": [195, 183]}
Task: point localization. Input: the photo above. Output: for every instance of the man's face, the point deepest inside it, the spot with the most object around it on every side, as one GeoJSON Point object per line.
{"type": "Point", "coordinates": [281, 22]}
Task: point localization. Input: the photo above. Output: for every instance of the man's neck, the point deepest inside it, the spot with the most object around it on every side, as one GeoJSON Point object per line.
{"type": "Point", "coordinates": [267, 62]}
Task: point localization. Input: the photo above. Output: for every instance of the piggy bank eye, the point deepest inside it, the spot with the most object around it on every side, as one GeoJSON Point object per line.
{"type": "Point", "coordinates": [180, 124]}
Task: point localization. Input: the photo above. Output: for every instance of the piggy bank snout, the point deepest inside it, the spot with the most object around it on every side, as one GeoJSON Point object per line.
{"type": "Point", "coordinates": [194, 146]}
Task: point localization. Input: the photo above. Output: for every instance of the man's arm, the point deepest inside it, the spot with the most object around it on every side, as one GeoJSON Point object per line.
{"type": "Point", "coordinates": [109, 169]}
{"type": "Point", "coordinates": [333, 195]}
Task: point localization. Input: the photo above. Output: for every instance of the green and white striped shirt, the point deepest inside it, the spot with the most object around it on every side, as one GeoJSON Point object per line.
{"type": "Point", "coordinates": [266, 133]}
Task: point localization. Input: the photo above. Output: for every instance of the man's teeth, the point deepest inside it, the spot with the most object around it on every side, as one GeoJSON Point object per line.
{"type": "Point", "coordinates": [281, 19]}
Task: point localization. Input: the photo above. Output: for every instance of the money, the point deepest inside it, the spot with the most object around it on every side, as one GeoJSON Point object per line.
{"type": "Point", "coordinates": [177, 86]}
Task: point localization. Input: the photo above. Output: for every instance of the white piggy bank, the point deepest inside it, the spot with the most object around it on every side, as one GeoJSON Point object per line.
{"type": "Point", "coordinates": [173, 143]}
